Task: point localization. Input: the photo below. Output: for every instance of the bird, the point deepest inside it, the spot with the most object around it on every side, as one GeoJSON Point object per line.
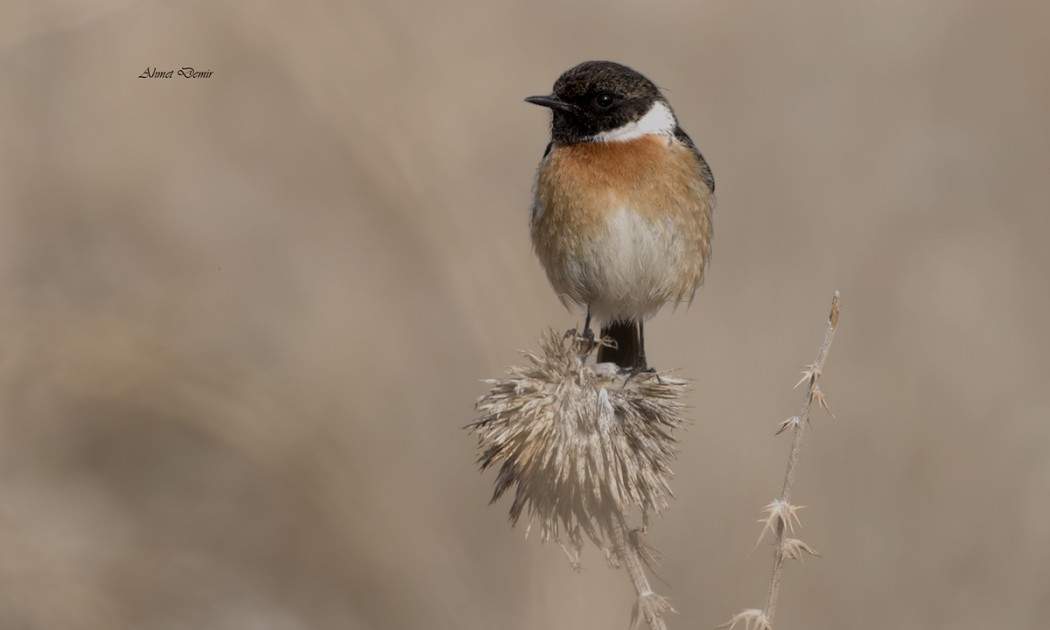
{"type": "Point", "coordinates": [622, 205]}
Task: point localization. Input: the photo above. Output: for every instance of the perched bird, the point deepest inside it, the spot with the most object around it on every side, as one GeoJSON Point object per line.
{"type": "Point", "coordinates": [621, 214]}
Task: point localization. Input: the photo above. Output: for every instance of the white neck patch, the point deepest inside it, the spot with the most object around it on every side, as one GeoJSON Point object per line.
{"type": "Point", "coordinates": [658, 120]}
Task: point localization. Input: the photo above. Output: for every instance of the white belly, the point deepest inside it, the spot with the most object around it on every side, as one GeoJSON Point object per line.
{"type": "Point", "coordinates": [630, 269]}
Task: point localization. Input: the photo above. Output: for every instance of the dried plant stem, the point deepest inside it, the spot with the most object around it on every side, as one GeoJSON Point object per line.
{"type": "Point", "coordinates": [649, 605]}
{"type": "Point", "coordinates": [799, 422]}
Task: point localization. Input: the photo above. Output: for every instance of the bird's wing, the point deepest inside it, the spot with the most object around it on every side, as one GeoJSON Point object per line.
{"type": "Point", "coordinates": [705, 169]}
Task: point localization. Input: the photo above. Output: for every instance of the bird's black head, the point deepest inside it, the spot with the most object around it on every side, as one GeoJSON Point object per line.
{"type": "Point", "coordinates": [599, 97]}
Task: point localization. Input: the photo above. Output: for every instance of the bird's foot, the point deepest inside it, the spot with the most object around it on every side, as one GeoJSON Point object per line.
{"type": "Point", "coordinates": [640, 367]}
{"type": "Point", "coordinates": [588, 339]}
{"type": "Point", "coordinates": [584, 341]}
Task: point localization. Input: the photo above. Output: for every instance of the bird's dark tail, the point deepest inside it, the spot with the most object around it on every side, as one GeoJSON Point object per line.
{"type": "Point", "coordinates": [629, 352]}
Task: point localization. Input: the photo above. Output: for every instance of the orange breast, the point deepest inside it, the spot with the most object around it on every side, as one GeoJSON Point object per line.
{"type": "Point", "coordinates": [578, 228]}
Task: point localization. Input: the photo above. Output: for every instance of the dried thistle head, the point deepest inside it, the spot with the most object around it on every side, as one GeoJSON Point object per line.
{"type": "Point", "coordinates": [583, 447]}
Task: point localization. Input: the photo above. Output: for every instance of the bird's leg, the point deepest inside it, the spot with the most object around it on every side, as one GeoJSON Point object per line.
{"type": "Point", "coordinates": [588, 334]}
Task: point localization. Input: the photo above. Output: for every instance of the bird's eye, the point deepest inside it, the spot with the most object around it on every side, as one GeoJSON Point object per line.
{"type": "Point", "coordinates": [604, 101]}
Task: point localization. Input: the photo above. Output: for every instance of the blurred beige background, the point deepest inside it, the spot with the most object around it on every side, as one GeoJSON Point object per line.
{"type": "Point", "coordinates": [244, 319]}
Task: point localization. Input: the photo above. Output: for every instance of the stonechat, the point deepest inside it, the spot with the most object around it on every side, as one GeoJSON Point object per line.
{"type": "Point", "coordinates": [621, 213]}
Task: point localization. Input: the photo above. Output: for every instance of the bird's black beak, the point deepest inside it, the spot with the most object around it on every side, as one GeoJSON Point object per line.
{"type": "Point", "coordinates": [552, 102]}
